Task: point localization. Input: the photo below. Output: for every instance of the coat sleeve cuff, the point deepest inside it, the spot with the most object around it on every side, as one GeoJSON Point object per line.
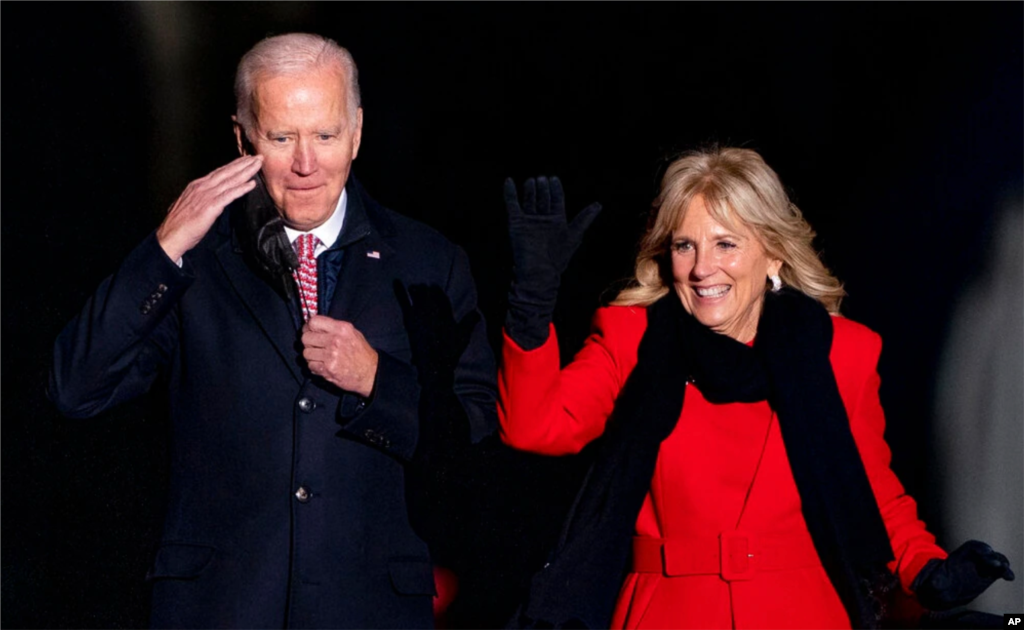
{"type": "Point", "coordinates": [513, 348]}
{"type": "Point", "coordinates": [909, 571]}
{"type": "Point", "coordinates": [153, 281]}
{"type": "Point", "coordinates": [389, 417]}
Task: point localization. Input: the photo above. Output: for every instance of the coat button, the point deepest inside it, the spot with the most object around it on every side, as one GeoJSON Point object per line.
{"type": "Point", "coordinates": [161, 287]}
{"type": "Point", "coordinates": [306, 404]}
{"type": "Point", "coordinates": [302, 494]}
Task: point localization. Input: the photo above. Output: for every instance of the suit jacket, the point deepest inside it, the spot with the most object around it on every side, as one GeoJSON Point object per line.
{"type": "Point", "coordinates": [287, 502]}
{"type": "Point", "coordinates": [722, 478]}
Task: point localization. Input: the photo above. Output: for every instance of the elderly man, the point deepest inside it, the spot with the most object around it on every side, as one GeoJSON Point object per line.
{"type": "Point", "coordinates": [271, 298]}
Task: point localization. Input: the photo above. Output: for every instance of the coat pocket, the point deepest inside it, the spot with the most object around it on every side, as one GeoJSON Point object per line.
{"type": "Point", "coordinates": [183, 561]}
{"type": "Point", "coordinates": [412, 576]}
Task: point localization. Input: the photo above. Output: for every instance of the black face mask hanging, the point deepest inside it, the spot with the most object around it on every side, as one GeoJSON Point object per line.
{"type": "Point", "coordinates": [259, 229]}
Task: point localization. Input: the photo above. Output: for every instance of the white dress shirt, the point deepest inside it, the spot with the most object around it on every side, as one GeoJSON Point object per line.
{"type": "Point", "coordinates": [327, 232]}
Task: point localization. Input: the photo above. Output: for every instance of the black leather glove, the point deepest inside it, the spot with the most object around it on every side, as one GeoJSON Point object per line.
{"type": "Point", "coordinates": [542, 244]}
{"type": "Point", "coordinates": [955, 581]}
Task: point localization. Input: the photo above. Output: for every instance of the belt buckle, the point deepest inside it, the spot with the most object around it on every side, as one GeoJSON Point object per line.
{"type": "Point", "coordinates": [736, 556]}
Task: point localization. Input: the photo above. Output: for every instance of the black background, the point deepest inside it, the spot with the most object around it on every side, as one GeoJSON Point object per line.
{"type": "Point", "coordinates": [897, 128]}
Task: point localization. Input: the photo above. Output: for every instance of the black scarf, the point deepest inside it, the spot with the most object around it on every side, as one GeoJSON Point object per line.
{"type": "Point", "coordinates": [789, 367]}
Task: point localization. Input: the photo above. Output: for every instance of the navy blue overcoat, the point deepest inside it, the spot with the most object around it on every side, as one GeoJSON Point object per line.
{"type": "Point", "coordinates": [287, 503]}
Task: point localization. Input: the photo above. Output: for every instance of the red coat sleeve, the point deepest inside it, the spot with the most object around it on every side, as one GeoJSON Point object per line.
{"type": "Point", "coordinates": [855, 352]}
{"type": "Point", "coordinates": [553, 411]}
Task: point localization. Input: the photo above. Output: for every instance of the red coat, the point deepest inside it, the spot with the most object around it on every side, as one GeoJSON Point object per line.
{"type": "Point", "coordinates": [723, 470]}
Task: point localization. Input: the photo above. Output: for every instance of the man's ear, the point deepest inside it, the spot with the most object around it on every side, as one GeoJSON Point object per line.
{"type": "Point", "coordinates": [243, 143]}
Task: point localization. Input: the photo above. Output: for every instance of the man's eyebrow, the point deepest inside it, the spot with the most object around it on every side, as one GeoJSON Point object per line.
{"type": "Point", "coordinates": [273, 133]}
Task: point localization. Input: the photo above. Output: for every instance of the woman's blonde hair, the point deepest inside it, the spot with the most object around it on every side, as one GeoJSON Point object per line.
{"type": "Point", "coordinates": [738, 187]}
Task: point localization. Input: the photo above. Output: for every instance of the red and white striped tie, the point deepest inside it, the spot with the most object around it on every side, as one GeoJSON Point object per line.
{"type": "Point", "coordinates": [305, 275]}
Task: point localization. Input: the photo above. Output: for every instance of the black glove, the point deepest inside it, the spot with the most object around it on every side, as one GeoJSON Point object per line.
{"type": "Point", "coordinates": [542, 244]}
{"type": "Point", "coordinates": [955, 581]}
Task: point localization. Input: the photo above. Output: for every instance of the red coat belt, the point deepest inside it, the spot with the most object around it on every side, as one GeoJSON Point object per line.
{"type": "Point", "coordinates": [734, 555]}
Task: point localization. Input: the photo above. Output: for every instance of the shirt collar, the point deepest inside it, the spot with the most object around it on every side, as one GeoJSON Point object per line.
{"type": "Point", "coordinates": [329, 230]}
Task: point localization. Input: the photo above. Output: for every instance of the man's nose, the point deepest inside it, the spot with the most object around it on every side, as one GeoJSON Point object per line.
{"type": "Point", "coordinates": [304, 161]}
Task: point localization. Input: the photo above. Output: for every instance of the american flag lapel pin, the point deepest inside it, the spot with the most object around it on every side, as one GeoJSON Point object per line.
{"type": "Point", "coordinates": [373, 254]}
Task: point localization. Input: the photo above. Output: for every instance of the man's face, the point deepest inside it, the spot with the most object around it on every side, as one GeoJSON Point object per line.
{"type": "Point", "coordinates": [303, 131]}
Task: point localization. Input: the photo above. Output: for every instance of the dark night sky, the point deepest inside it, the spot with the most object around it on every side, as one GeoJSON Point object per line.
{"type": "Point", "coordinates": [897, 128]}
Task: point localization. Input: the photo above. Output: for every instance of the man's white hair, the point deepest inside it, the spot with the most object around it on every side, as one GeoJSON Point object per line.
{"type": "Point", "coordinates": [292, 53]}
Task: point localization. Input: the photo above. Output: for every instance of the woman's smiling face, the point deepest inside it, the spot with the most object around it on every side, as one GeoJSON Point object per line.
{"type": "Point", "coordinates": [720, 273]}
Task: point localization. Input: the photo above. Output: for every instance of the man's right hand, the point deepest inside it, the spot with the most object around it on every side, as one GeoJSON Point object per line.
{"type": "Point", "coordinates": [203, 200]}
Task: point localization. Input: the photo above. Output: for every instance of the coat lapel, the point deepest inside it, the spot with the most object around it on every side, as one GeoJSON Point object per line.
{"type": "Point", "coordinates": [266, 307]}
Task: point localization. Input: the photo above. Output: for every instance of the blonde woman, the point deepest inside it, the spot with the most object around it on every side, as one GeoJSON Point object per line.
{"type": "Point", "coordinates": [743, 480]}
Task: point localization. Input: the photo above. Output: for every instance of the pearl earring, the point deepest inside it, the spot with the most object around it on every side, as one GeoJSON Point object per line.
{"type": "Point", "coordinates": [776, 282]}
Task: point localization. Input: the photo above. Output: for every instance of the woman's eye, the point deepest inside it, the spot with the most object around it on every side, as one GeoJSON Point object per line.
{"type": "Point", "coordinates": [682, 246]}
{"type": "Point", "coordinates": [726, 245]}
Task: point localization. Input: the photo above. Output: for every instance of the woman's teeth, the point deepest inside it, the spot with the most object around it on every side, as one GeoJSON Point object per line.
{"type": "Point", "coordinates": [711, 292]}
